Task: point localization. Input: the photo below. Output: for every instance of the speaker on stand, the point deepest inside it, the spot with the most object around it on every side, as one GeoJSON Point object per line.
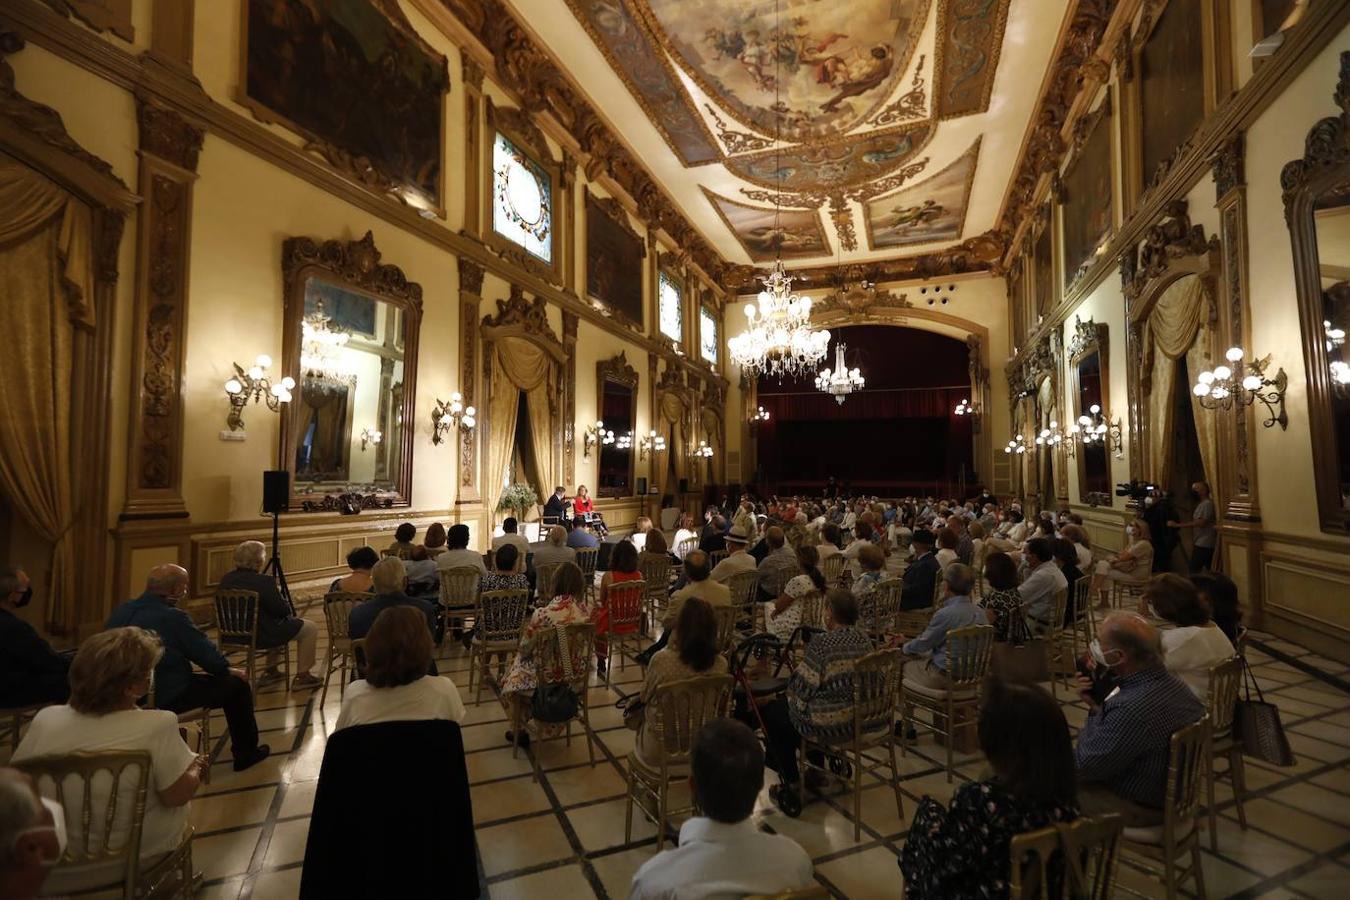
{"type": "Point", "coordinates": [276, 500]}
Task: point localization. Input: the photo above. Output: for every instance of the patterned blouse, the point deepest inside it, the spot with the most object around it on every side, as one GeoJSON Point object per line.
{"type": "Point", "coordinates": [962, 852]}
{"type": "Point", "coordinates": [504, 581]}
{"type": "Point", "coordinates": [1005, 605]}
{"type": "Point", "coordinates": [820, 692]}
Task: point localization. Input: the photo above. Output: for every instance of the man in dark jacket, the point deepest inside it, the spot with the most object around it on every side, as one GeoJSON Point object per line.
{"type": "Point", "coordinates": [920, 579]}
{"type": "Point", "coordinates": [177, 687]}
{"type": "Point", "coordinates": [389, 579]}
{"type": "Point", "coordinates": [277, 622]}
{"type": "Point", "coordinates": [31, 671]}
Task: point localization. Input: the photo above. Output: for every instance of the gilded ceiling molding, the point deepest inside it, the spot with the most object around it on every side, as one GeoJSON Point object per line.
{"type": "Point", "coordinates": [969, 38]}
{"type": "Point", "coordinates": [913, 104]}
{"type": "Point", "coordinates": [859, 300]}
{"type": "Point", "coordinates": [736, 141]}
{"type": "Point", "coordinates": [100, 15]}
{"type": "Point", "coordinates": [846, 161]}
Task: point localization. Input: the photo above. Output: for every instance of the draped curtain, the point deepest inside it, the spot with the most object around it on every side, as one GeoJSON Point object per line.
{"type": "Point", "coordinates": [1173, 331]}
{"type": "Point", "coordinates": [672, 413]}
{"type": "Point", "coordinates": [521, 365]}
{"type": "Point", "coordinates": [47, 282]}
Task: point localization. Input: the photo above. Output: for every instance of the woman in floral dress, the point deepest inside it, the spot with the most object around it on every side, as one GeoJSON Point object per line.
{"type": "Point", "coordinates": [1001, 601]}
{"type": "Point", "coordinates": [567, 607]}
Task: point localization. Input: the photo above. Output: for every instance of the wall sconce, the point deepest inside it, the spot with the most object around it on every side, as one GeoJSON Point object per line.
{"type": "Point", "coordinates": [1016, 445]}
{"type": "Point", "coordinates": [703, 450]}
{"type": "Point", "coordinates": [966, 408]}
{"type": "Point", "coordinates": [756, 417]}
{"type": "Point", "coordinates": [1225, 387]}
{"type": "Point", "coordinates": [1053, 437]}
{"type": "Point", "coordinates": [652, 443]}
{"type": "Point", "coordinates": [448, 415]}
{"type": "Point", "coordinates": [596, 434]}
{"type": "Point", "coordinates": [1093, 428]}
{"type": "Point", "coordinates": [254, 385]}
{"type": "Point", "coordinates": [624, 441]}
{"type": "Point", "coordinates": [370, 436]}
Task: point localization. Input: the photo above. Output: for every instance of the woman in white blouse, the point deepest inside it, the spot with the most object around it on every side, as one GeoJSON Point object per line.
{"type": "Point", "coordinates": [397, 687]}
{"type": "Point", "coordinates": [683, 533]}
{"type": "Point", "coordinates": [109, 674]}
{"type": "Point", "coordinates": [1191, 641]}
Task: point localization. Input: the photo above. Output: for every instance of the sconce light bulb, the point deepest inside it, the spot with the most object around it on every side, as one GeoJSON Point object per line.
{"type": "Point", "coordinates": [233, 386]}
{"type": "Point", "coordinates": [1206, 378]}
{"type": "Point", "coordinates": [750, 311]}
{"type": "Point", "coordinates": [255, 373]}
{"type": "Point", "coordinates": [445, 419]}
{"type": "Point", "coordinates": [277, 390]}
{"type": "Point", "coordinates": [469, 421]}
{"type": "Point", "coordinates": [1223, 373]}
{"type": "Point", "coordinates": [470, 412]}
{"type": "Point", "coordinates": [456, 397]}
{"type": "Point", "coordinates": [1252, 383]}
{"type": "Point", "coordinates": [264, 360]}
{"type": "Point", "coordinates": [285, 396]}
{"type": "Point", "coordinates": [288, 383]}
{"type": "Point", "coordinates": [1201, 390]}
{"type": "Point", "coordinates": [1094, 409]}
{"type": "Point", "coordinates": [1234, 354]}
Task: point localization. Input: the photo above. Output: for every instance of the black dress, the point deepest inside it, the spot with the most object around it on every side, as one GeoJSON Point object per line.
{"type": "Point", "coordinates": [963, 851]}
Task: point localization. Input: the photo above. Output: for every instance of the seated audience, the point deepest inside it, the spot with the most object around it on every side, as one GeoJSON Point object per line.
{"type": "Point", "coordinates": [32, 835]}
{"type": "Point", "coordinates": [655, 550]}
{"type": "Point", "coordinates": [920, 579]}
{"type": "Point", "coordinates": [1043, 580]}
{"type": "Point", "coordinates": [745, 519]}
{"type": "Point", "coordinates": [177, 687]}
{"type": "Point", "coordinates": [684, 532]}
{"type": "Point", "coordinates": [697, 584]}
{"type": "Point", "coordinates": [1219, 591]}
{"type": "Point", "coordinates": [420, 570]}
{"type": "Point", "coordinates": [1001, 601]}
{"type": "Point", "coordinates": [976, 532]}
{"type": "Point", "coordinates": [623, 566]}
{"type": "Point", "coordinates": [778, 565]}
{"type": "Point", "coordinates": [829, 541]}
{"type": "Point", "coordinates": [511, 535]}
{"type": "Point", "coordinates": [1078, 535]}
{"type": "Point", "coordinates": [693, 651]}
{"type": "Point", "coordinates": [963, 851]}
{"type": "Point", "coordinates": [1132, 565]}
{"type": "Point", "coordinates": [927, 653]}
{"type": "Point", "coordinates": [818, 694]}
{"type": "Point", "coordinates": [360, 560]}
{"type": "Point", "coordinates": [277, 622]}
{"type": "Point", "coordinates": [862, 537]}
{"type": "Point", "coordinates": [30, 670]}
{"type": "Point", "coordinates": [1194, 642]}
{"type": "Point", "coordinates": [737, 560]}
{"type": "Point", "coordinates": [555, 549]}
{"type": "Point", "coordinates": [782, 617]}
{"type": "Point", "coordinates": [506, 574]}
{"type": "Point", "coordinates": [722, 853]}
{"type": "Point", "coordinates": [641, 527]}
{"type": "Point", "coordinates": [109, 674]}
{"type": "Point", "coordinates": [567, 607]}
{"type": "Point", "coordinates": [713, 538]}
{"type": "Point", "coordinates": [402, 546]}
{"type": "Point", "coordinates": [389, 592]}
{"type": "Point", "coordinates": [581, 537]}
{"type": "Point", "coordinates": [435, 540]}
{"type": "Point", "coordinates": [397, 687]}
{"type": "Point", "coordinates": [458, 553]}
{"type": "Point", "coordinates": [965, 544]}
{"type": "Point", "coordinates": [872, 560]}
{"type": "Point", "coordinates": [1124, 744]}
{"type": "Point", "coordinates": [1066, 557]}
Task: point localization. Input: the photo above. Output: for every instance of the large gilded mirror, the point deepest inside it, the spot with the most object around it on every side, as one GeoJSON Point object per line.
{"type": "Point", "coordinates": [351, 340]}
{"type": "Point", "coordinates": [1317, 208]}
{"type": "Point", "coordinates": [616, 384]}
{"type": "Point", "coordinates": [1089, 407]}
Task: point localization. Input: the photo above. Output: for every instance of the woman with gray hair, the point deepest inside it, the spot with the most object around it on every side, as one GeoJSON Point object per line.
{"type": "Point", "coordinates": [277, 622]}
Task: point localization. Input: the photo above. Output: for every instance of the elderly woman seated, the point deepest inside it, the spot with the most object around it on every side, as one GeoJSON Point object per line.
{"type": "Point", "coordinates": [109, 674]}
{"type": "Point", "coordinates": [360, 560]}
{"type": "Point", "coordinates": [1192, 641]}
{"type": "Point", "coordinates": [1132, 565]}
{"type": "Point", "coordinates": [397, 687]}
{"type": "Point", "coordinates": [277, 622]}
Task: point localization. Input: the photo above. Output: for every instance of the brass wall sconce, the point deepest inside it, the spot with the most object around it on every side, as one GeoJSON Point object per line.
{"type": "Point", "coordinates": [596, 434]}
{"type": "Point", "coordinates": [703, 450]}
{"type": "Point", "coordinates": [624, 441]}
{"type": "Point", "coordinates": [370, 436]}
{"type": "Point", "coordinates": [1093, 428]}
{"type": "Point", "coordinates": [966, 408]}
{"type": "Point", "coordinates": [445, 416]}
{"type": "Point", "coordinates": [1053, 437]}
{"type": "Point", "coordinates": [756, 417]}
{"type": "Point", "coordinates": [1226, 387]}
{"type": "Point", "coordinates": [253, 385]}
{"type": "Point", "coordinates": [652, 443]}
{"type": "Point", "coordinates": [1016, 445]}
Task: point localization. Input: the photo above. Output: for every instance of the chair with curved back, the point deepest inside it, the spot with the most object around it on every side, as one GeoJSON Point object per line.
{"type": "Point", "coordinates": [554, 666]}
{"type": "Point", "coordinates": [1082, 855]}
{"type": "Point", "coordinates": [969, 650]}
{"type": "Point", "coordinates": [1059, 646]}
{"type": "Point", "coordinates": [832, 567]}
{"type": "Point", "coordinates": [337, 612]}
{"type": "Point", "coordinates": [500, 617]}
{"type": "Point", "coordinates": [624, 601]}
{"type": "Point", "coordinates": [194, 722]}
{"type": "Point", "coordinates": [674, 713]}
{"type": "Point", "coordinates": [744, 587]}
{"type": "Point", "coordinates": [727, 617]}
{"type": "Point", "coordinates": [543, 582]}
{"type": "Point", "coordinates": [876, 685]}
{"type": "Point", "coordinates": [655, 570]}
{"type": "Point", "coordinates": [1176, 842]}
{"type": "Point", "coordinates": [17, 716]}
{"type": "Point", "coordinates": [587, 560]}
{"type": "Point", "coordinates": [813, 610]}
{"type": "Point", "coordinates": [237, 623]}
{"type": "Point", "coordinates": [459, 593]}
{"type": "Point", "coordinates": [715, 557]}
{"type": "Point", "coordinates": [94, 862]}
{"type": "Point", "coordinates": [880, 609]}
{"type": "Point", "coordinates": [686, 546]}
{"type": "Point", "coordinates": [1225, 679]}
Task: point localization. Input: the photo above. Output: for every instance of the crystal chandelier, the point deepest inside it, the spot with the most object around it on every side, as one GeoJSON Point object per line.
{"type": "Point", "coordinates": [321, 353]}
{"type": "Point", "coordinates": [780, 340]}
{"type": "Point", "coordinates": [842, 381]}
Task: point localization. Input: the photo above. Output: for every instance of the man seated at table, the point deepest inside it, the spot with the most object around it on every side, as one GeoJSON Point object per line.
{"type": "Point", "coordinates": [277, 622]}
{"type": "Point", "coordinates": [31, 672]}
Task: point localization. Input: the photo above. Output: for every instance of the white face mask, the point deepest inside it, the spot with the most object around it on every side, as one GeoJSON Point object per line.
{"type": "Point", "coordinates": [1148, 501]}
{"type": "Point", "coordinates": [1129, 531]}
{"type": "Point", "coordinates": [58, 827]}
{"type": "Point", "coordinates": [1099, 655]}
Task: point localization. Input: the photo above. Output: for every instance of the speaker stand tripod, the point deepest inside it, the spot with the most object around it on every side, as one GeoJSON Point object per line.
{"type": "Point", "coordinates": [273, 566]}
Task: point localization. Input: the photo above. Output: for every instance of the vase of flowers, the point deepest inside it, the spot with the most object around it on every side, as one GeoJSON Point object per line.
{"type": "Point", "coordinates": [517, 498]}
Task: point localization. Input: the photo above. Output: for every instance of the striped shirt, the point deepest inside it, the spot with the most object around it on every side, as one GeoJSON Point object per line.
{"type": "Point", "coordinates": [1125, 744]}
{"type": "Point", "coordinates": [820, 692]}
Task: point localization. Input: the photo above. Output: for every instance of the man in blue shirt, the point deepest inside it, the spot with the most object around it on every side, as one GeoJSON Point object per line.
{"type": "Point", "coordinates": [955, 612]}
{"type": "Point", "coordinates": [389, 582]}
{"type": "Point", "coordinates": [177, 687]}
{"type": "Point", "coordinates": [580, 537]}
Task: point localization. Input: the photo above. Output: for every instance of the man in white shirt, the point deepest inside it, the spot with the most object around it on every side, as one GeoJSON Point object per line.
{"type": "Point", "coordinates": [737, 560]}
{"type": "Point", "coordinates": [458, 552]}
{"type": "Point", "coordinates": [510, 535]}
{"type": "Point", "coordinates": [722, 853]}
{"type": "Point", "coordinates": [1038, 589]}
{"type": "Point", "coordinates": [555, 549]}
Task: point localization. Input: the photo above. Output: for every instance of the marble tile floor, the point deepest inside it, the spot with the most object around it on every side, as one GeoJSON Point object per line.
{"type": "Point", "coordinates": [564, 836]}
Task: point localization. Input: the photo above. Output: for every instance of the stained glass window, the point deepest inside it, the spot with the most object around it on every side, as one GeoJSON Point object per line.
{"type": "Point", "coordinates": [707, 334]}
{"type": "Point", "coordinates": [522, 200]}
{"type": "Point", "coordinates": [670, 311]}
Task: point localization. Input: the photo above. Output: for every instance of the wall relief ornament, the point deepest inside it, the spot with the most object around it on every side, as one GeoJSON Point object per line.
{"type": "Point", "coordinates": [1326, 147]}
{"type": "Point", "coordinates": [169, 135]}
{"type": "Point", "coordinates": [355, 261]}
{"type": "Point", "coordinates": [1227, 166]}
{"type": "Point", "coordinates": [859, 299]}
{"type": "Point", "coordinates": [616, 368]}
{"type": "Point", "coordinates": [470, 276]}
{"type": "Point", "coordinates": [532, 315]}
{"type": "Point", "coordinates": [1085, 334]}
{"type": "Point", "coordinates": [1171, 238]}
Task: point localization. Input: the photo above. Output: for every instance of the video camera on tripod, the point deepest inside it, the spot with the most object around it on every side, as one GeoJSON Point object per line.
{"type": "Point", "coordinates": [1137, 490]}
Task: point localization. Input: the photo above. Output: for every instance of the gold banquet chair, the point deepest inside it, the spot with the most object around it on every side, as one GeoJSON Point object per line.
{"type": "Point", "coordinates": [1176, 842]}
{"type": "Point", "coordinates": [1225, 679]}
{"type": "Point", "coordinates": [744, 587]}
{"type": "Point", "coordinates": [881, 609]}
{"type": "Point", "coordinates": [655, 572]}
{"type": "Point", "coordinates": [570, 666]}
{"type": "Point", "coordinates": [543, 582]}
{"type": "Point", "coordinates": [237, 623]}
{"type": "Point", "coordinates": [624, 601]}
{"type": "Point", "coordinates": [1087, 849]}
{"type": "Point", "coordinates": [459, 593]}
{"type": "Point", "coordinates": [832, 567]}
{"type": "Point", "coordinates": [500, 617]}
{"type": "Point", "coordinates": [587, 560]}
{"type": "Point", "coordinates": [337, 612]}
{"type": "Point", "coordinates": [969, 650]}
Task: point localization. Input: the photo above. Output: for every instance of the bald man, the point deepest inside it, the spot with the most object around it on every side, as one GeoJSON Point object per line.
{"type": "Point", "coordinates": [1123, 746]}
{"type": "Point", "coordinates": [177, 687]}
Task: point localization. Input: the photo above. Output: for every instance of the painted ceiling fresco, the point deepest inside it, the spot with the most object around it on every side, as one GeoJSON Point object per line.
{"type": "Point", "coordinates": [841, 112]}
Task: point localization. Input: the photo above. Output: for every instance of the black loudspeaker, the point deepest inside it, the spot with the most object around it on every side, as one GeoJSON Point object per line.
{"type": "Point", "coordinates": [276, 490]}
{"type": "Point", "coordinates": [641, 485]}
{"type": "Point", "coordinates": [684, 485]}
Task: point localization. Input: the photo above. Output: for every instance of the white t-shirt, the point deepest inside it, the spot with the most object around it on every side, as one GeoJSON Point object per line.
{"type": "Point", "coordinates": [1189, 651]}
{"type": "Point", "coordinates": [681, 536]}
{"type": "Point", "coordinates": [1084, 557]}
{"type": "Point", "coordinates": [429, 697]}
{"type": "Point", "coordinates": [58, 730]}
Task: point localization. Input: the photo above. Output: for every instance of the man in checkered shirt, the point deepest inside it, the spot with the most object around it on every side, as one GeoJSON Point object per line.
{"type": "Point", "coordinates": [1124, 745]}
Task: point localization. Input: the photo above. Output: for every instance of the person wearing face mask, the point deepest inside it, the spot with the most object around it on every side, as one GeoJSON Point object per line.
{"type": "Point", "coordinates": [177, 687]}
{"type": "Point", "coordinates": [32, 836]}
{"type": "Point", "coordinates": [31, 672]}
{"type": "Point", "coordinates": [1202, 520]}
{"type": "Point", "coordinates": [1157, 512]}
{"type": "Point", "coordinates": [1133, 564]}
{"type": "Point", "coordinates": [109, 674]}
{"type": "Point", "coordinates": [1191, 640]}
{"type": "Point", "coordinates": [1123, 745]}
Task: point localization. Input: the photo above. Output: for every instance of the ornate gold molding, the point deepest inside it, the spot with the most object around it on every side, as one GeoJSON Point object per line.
{"type": "Point", "coordinates": [529, 316]}
{"type": "Point", "coordinates": [357, 262]}
{"type": "Point", "coordinates": [470, 295]}
{"type": "Point", "coordinates": [617, 369]}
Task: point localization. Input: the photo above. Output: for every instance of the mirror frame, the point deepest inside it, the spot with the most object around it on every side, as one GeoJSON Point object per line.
{"type": "Point", "coordinates": [354, 265]}
{"type": "Point", "coordinates": [1088, 338]}
{"type": "Point", "coordinates": [1324, 165]}
{"type": "Point", "coordinates": [616, 370]}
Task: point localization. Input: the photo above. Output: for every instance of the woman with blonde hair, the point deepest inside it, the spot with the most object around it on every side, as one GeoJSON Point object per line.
{"type": "Point", "coordinates": [108, 676]}
{"type": "Point", "coordinates": [397, 687]}
{"type": "Point", "coordinates": [1132, 565]}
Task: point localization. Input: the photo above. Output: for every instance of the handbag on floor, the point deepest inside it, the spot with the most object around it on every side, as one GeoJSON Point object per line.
{"type": "Point", "coordinates": [1258, 725]}
{"type": "Point", "coordinates": [1021, 659]}
{"type": "Point", "coordinates": [556, 703]}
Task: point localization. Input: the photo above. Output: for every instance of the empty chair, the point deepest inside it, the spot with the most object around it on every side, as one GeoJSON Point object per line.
{"type": "Point", "coordinates": [337, 610]}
